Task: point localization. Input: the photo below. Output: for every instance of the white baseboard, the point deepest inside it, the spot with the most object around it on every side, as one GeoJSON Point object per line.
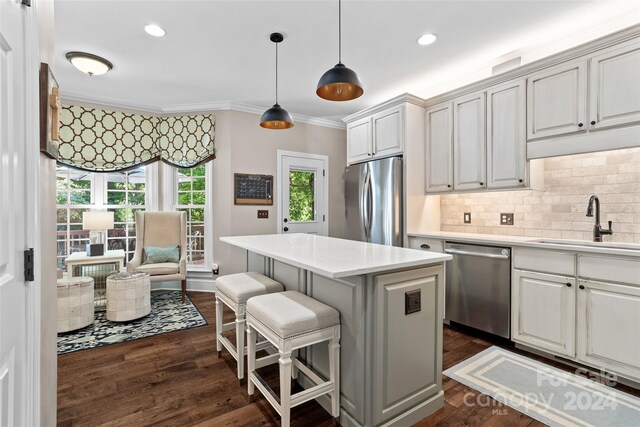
{"type": "Point", "coordinates": [196, 285]}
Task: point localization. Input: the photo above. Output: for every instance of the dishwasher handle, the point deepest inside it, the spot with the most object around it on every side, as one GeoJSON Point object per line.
{"type": "Point", "coordinates": [478, 254]}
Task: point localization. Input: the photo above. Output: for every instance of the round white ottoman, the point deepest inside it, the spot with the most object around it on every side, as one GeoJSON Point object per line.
{"type": "Point", "coordinates": [75, 303]}
{"type": "Point", "coordinates": [128, 296]}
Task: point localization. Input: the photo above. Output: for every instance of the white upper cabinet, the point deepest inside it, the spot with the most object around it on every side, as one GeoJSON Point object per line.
{"type": "Point", "coordinates": [359, 140]}
{"type": "Point", "coordinates": [376, 136]}
{"type": "Point", "coordinates": [439, 148]}
{"type": "Point", "coordinates": [506, 136]}
{"type": "Point", "coordinates": [469, 162]}
{"type": "Point", "coordinates": [388, 132]}
{"type": "Point", "coordinates": [543, 311]}
{"type": "Point", "coordinates": [614, 86]}
{"type": "Point", "coordinates": [557, 100]}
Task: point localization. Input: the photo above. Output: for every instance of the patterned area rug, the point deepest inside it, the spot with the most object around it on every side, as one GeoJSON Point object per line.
{"type": "Point", "coordinates": [547, 394]}
{"type": "Point", "coordinates": [168, 314]}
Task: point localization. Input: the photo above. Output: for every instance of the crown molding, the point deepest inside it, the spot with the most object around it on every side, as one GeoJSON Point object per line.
{"type": "Point", "coordinates": [400, 99]}
{"type": "Point", "coordinates": [190, 108]}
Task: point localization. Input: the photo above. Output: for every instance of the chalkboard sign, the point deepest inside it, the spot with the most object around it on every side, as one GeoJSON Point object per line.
{"type": "Point", "coordinates": [253, 189]}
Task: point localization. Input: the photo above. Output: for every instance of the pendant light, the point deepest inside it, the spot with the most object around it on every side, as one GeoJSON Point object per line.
{"type": "Point", "coordinates": [276, 117]}
{"type": "Point", "coordinates": [339, 83]}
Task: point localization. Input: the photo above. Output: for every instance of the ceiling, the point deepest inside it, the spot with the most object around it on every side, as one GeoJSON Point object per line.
{"type": "Point", "coordinates": [219, 51]}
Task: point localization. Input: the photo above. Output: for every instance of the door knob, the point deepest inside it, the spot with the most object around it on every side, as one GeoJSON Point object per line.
{"type": "Point", "coordinates": [286, 229]}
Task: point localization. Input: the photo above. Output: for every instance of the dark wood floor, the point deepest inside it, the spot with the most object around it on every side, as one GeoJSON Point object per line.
{"type": "Point", "coordinates": [176, 379]}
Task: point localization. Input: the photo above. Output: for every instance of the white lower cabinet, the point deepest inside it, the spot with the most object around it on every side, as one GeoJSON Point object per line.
{"type": "Point", "coordinates": [609, 327]}
{"type": "Point", "coordinates": [543, 311]}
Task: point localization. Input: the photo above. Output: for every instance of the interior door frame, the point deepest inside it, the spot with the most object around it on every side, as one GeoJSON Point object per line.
{"type": "Point", "coordinates": [279, 185]}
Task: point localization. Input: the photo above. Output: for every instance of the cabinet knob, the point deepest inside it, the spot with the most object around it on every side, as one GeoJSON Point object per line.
{"type": "Point", "coordinates": [581, 286]}
{"type": "Point", "coordinates": [580, 125]}
{"type": "Point", "coordinates": [593, 122]}
{"type": "Point", "coordinates": [449, 185]}
{"type": "Point", "coordinates": [482, 183]}
{"type": "Point", "coordinates": [568, 284]}
{"type": "Point", "coordinates": [520, 180]}
{"type": "Point", "coordinates": [425, 246]}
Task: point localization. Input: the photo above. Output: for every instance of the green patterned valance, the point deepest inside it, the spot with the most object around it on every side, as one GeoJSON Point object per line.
{"type": "Point", "coordinates": [105, 141]}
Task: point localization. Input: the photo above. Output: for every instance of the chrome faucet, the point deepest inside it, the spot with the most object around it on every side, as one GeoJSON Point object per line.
{"type": "Point", "coordinates": [598, 232]}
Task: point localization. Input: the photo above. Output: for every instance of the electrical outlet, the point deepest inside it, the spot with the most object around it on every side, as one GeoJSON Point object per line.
{"type": "Point", "coordinates": [263, 214]}
{"type": "Point", "coordinates": [467, 217]}
{"type": "Point", "coordinates": [506, 219]}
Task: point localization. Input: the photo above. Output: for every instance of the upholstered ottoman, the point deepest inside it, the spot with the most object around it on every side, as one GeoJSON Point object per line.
{"type": "Point", "coordinates": [75, 303]}
{"type": "Point", "coordinates": [128, 296]}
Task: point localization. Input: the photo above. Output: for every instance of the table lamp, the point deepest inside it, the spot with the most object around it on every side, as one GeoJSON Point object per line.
{"type": "Point", "coordinates": [97, 223]}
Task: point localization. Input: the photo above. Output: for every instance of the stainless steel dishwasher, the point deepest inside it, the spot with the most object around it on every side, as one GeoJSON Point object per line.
{"type": "Point", "coordinates": [478, 287]}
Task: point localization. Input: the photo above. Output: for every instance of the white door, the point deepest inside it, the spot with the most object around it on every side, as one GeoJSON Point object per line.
{"type": "Point", "coordinates": [359, 140]}
{"type": "Point", "coordinates": [608, 326]}
{"type": "Point", "coordinates": [302, 184]}
{"type": "Point", "coordinates": [614, 93]}
{"type": "Point", "coordinates": [15, 370]}
{"type": "Point", "coordinates": [557, 101]}
{"type": "Point", "coordinates": [543, 311]}
{"type": "Point", "coordinates": [469, 164]}
{"type": "Point", "coordinates": [388, 132]}
{"type": "Point", "coordinates": [506, 135]}
{"type": "Point", "coordinates": [439, 148]}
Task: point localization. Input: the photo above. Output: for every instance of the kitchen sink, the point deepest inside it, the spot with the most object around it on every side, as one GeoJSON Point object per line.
{"type": "Point", "coordinates": [609, 245]}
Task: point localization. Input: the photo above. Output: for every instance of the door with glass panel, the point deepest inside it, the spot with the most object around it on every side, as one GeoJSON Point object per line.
{"type": "Point", "coordinates": [303, 206]}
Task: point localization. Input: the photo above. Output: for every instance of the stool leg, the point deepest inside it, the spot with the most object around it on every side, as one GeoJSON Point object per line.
{"type": "Point", "coordinates": [334, 375]}
{"type": "Point", "coordinates": [285, 387]}
{"type": "Point", "coordinates": [219, 312]}
{"type": "Point", "coordinates": [251, 359]}
{"type": "Point", "coordinates": [294, 370]}
{"type": "Point", "coordinates": [240, 330]}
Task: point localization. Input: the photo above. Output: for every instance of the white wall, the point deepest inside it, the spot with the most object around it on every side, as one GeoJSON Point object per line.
{"type": "Point", "coordinates": [242, 146]}
{"type": "Point", "coordinates": [47, 220]}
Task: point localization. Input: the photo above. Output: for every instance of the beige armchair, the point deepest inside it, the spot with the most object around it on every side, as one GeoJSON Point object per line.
{"type": "Point", "coordinates": [161, 229]}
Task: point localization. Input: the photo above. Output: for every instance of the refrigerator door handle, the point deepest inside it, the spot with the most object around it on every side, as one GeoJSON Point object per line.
{"type": "Point", "coordinates": [369, 205]}
{"type": "Point", "coordinates": [363, 203]}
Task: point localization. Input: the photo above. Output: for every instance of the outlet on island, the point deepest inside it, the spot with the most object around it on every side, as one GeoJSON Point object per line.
{"type": "Point", "coordinates": [506, 219]}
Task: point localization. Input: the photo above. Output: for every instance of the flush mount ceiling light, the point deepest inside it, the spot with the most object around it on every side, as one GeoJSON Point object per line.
{"type": "Point", "coordinates": [427, 39]}
{"type": "Point", "coordinates": [276, 117]}
{"type": "Point", "coordinates": [155, 30]}
{"type": "Point", "coordinates": [339, 83]}
{"type": "Point", "coordinates": [89, 63]}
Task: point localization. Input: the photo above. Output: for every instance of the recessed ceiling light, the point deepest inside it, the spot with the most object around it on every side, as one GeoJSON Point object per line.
{"type": "Point", "coordinates": [89, 63]}
{"type": "Point", "coordinates": [427, 39]}
{"type": "Point", "coordinates": [155, 30]}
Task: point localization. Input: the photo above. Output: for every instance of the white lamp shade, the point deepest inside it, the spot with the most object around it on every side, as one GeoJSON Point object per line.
{"type": "Point", "coordinates": [95, 220]}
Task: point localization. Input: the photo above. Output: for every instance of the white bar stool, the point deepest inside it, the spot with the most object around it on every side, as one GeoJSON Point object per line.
{"type": "Point", "coordinates": [291, 320]}
{"type": "Point", "coordinates": [234, 290]}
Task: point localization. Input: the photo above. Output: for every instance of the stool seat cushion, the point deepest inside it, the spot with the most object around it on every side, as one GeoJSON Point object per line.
{"type": "Point", "coordinates": [159, 268]}
{"type": "Point", "coordinates": [291, 313]}
{"type": "Point", "coordinates": [242, 286]}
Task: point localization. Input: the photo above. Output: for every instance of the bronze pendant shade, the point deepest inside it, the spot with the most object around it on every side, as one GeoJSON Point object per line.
{"type": "Point", "coordinates": [339, 83]}
{"type": "Point", "coordinates": [276, 117]}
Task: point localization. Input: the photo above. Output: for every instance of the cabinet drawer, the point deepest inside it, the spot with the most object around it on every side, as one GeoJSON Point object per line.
{"type": "Point", "coordinates": [432, 245]}
{"type": "Point", "coordinates": [612, 269]}
{"type": "Point", "coordinates": [544, 261]}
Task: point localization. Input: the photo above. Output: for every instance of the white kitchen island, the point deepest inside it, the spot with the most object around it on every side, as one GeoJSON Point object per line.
{"type": "Point", "coordinates": [390, 301]}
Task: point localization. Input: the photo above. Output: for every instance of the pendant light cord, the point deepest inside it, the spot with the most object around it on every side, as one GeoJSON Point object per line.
{"type": "Point", "coordinates": [276, 72]}
{"type": "Point", "coordinates": [339, 31]}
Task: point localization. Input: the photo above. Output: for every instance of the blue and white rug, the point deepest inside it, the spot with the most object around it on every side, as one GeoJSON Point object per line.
{"type": "Point", "coordinates": [545, 393]}
{"type": "Point", "coordinates": [168, 314]}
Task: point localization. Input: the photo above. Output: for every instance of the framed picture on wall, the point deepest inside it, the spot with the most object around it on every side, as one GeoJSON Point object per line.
{"type": "Point", "coordinates": [252, 189]}
{"type": "Point", "coordinates": [49, 112]}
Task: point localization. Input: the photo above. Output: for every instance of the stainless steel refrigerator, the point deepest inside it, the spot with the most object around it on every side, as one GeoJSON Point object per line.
{"type": "Point", "coordinates": [373, 201]}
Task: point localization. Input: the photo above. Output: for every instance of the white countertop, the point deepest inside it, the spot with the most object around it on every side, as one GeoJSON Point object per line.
{"type": "Point", "coordinates": [604, 248]}
{"type": "Point", "coordinates": [331, 257]}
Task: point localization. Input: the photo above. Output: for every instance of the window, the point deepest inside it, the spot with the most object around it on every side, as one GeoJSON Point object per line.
{"type": "Point", "coordinates": [301, 197]}
{"type": "Point", "coordinates": [74, 196]}
{"type": "Point", "coordinates": [123, 193]}
{"type": "Point", "coordinates": [191, 198]}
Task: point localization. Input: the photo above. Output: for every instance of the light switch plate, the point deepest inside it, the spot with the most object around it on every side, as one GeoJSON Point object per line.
{"type": "Point", "coordinates": [506, 219]}
{"type": "Point", "coordinates": [263, 214]}
{"type": "Point", "coordinates": [467, 217]}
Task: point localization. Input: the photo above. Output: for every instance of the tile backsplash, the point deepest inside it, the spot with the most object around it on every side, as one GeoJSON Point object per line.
{"type": "Point", "coordinates": [558, 211]}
